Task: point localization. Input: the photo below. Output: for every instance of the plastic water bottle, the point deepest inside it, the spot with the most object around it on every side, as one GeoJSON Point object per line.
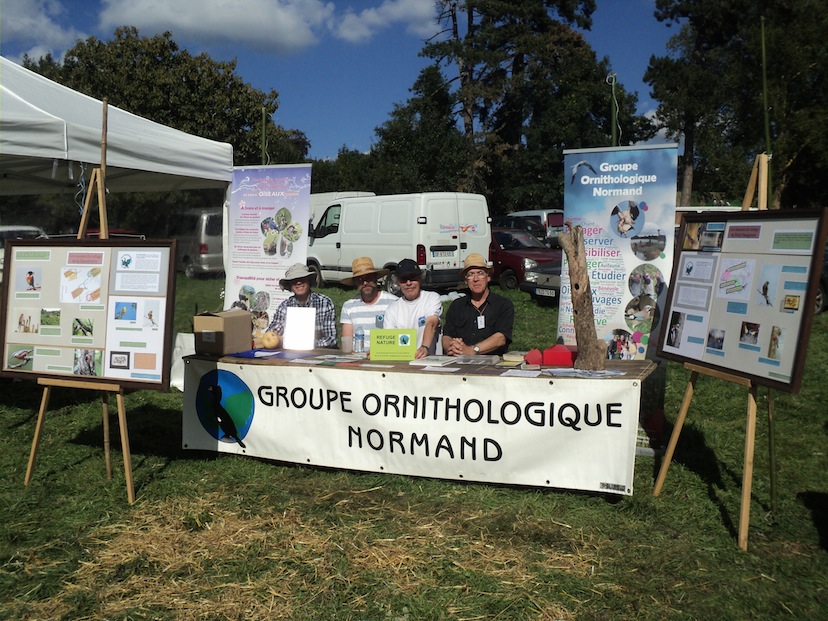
{"type": "Point", "coordinates": [359, 340]}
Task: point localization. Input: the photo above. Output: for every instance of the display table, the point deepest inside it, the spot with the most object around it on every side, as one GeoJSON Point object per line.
{"type": "Point", "coordinates": [471, 422]}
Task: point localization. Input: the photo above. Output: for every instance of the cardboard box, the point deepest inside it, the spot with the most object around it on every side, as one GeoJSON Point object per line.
{"type": "Point", "coordinates": [225, 332]}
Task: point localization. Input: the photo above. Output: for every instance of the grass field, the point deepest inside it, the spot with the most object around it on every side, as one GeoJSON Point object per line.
{"type": "Point", "coordinates": [215, 537]}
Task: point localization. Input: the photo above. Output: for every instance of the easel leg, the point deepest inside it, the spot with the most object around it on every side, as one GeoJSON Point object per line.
{"type": "Point", "coordinates": [44, 404]}
{"type": "Point", "coordinates": [671, 446]}
{"type": "Point", "coordinates": [772, 452]}
{"type": "Point", "coordinates": [107, 457]}
{"type": "Point", "coordinates": [747, 478]}
{"type": "Point", "coordinates": [122, 423]}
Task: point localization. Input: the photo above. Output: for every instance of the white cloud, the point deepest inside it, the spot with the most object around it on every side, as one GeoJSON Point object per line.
{"type": "Point", "coordinates": [416, 15]}
{"type": "Point", "coordinates": [36, 27]}
{"type": "Point", "coordinates": [278, 26]}
{"type": "Point", "coordinates": [270, 26]}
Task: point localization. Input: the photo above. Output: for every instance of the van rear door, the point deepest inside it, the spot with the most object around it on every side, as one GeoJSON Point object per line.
{"type": "Point", "coordinates": [440, 244]}
{"type": "Point", "coordinates": [475, 230]}
{"type": "Point", "coordinates": [456, 225]}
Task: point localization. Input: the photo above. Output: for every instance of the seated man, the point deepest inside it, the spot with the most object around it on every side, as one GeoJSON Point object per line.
{"type": "Point", "coordinates": [481, 322]}
{"type": "Point", "coordinates": [416, 309]}
{"type": "Point", "coordinates": [298, 280]}
{"type": "Point", "coordinates": [368, 308]}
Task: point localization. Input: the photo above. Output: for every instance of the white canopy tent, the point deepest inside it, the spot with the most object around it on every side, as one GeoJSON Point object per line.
{"type": "Point", "coordinates": [51, 134]}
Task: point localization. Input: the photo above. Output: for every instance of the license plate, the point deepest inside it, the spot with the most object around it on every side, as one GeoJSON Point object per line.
{"type": "Point", "coordinates": [547, 293]}
{"type": "Point", "coordinates": [441, 253]}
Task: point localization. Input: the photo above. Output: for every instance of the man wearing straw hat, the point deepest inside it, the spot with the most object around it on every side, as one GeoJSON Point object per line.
{"type": "Point", "coordinates": [480, 322]}
{"type": "Point", "coordinates": [299, 279]}
{"type": "Point", "coordinates": [368, 308]}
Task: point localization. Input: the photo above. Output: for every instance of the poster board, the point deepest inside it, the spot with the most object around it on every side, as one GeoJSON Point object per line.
{"type": "Point", "coordinates": [624, 199]}
{"type": "Point", "coordinates": [88, 309]}
{"type": "Point", "coordinates": [742, 293]}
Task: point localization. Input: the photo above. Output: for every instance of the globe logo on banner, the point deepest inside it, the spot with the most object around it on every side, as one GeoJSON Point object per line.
{"type": "Point", "coordinates": [225, 406]}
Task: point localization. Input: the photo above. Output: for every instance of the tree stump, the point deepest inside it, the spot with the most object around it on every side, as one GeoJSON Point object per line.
{"type": "Point", "coordinates": [592, 351]}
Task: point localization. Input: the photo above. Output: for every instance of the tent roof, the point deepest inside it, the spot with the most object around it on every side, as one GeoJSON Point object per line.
{"type": "Point", "coordinates": [48, 130]}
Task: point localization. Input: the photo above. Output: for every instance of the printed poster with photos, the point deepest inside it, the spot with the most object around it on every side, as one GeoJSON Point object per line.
{"type": "Point", "coordinates": [96, 310]}
{"type": "Point", "coordinates": [743, 292]}
{"type": "Point", "coordinates": [624, 198]}
{"type": "Point", "coordinates": [268, 210]}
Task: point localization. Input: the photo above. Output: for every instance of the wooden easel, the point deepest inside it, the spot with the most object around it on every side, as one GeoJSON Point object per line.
{"type": "Point", "coordinates": [750, 437]}
{"type": "Point", "coordinates": [97, 187]}
{"type": "Point", "coordinates": [759, 176]}
{"type": "Point", "coordinates": [105, 389]}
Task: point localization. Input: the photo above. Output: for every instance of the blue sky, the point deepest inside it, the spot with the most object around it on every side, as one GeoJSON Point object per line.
{"type": "Point", "coordinates": [339, 67]}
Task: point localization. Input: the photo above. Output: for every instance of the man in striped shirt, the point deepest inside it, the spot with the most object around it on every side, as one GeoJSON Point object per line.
{"type": "Point", "coordinates": [368, 308]}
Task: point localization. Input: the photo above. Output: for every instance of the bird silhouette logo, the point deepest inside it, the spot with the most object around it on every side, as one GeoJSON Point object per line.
{"type": "Point", "coordinates": [225, 407]}
{"type": "Point", "coordinates": [223, 419]}
{"type": "Point", "coordinates": [576, 167]}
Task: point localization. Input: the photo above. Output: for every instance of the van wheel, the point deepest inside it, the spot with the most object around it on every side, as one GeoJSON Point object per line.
{"type": "Point", "coordinates": [317, 273]}
{"type": "Point", "coordinates": [189, 271]}
{"type": "Point", "coordinates": [508, 280]}
{"type": "Point", "coordinates": [392, 285]}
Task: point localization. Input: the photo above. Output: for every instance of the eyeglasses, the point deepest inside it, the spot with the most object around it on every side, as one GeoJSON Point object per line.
{"type": "Point", "coordinates": [361, 280]}
{"type": "Point", "coordinates": [404, 279]}
{"type": "Point", "coordinates": [476, 274]}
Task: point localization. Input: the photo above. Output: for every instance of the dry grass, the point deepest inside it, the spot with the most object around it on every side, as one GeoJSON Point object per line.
{"type": "Point", "coordinates": [198, 558]}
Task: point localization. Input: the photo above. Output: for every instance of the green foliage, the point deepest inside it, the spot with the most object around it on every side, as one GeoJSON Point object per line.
{"type": "Point", "coordinates": [711, 91]}
{"type": "Point", "coordinates": [152, 77]}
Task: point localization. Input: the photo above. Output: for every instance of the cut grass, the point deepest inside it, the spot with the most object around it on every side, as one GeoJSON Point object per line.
{"type": "Point", "coordinates": [225, 537]}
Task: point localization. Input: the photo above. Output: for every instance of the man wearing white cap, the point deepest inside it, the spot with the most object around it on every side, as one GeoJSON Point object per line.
{"type": "Point", "coordinates": [299, 279]}
{"type": "Point", "coordinates": [481, 322]}
{"type": "Point", "coordinates": [368, 308]}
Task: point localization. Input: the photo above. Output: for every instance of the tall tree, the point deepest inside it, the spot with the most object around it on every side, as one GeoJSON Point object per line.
{"type": "Point", "coordinates": [528, 85]}
{"type": "Point", "coordinates": [711, 90]}
{"type": "Point", "coordinates": [420, 148]}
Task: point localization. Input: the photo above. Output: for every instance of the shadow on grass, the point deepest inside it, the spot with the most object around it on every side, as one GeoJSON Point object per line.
{"type": "Point", "coordinates": [817, 504]}
{"type": "Point", "coordinates": [696, 456]}
{"type": "Point", "coordinates": [154, 437]}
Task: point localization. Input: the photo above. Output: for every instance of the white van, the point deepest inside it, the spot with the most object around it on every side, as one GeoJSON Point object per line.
{"type": "Point", "coordinates": [436, 229]}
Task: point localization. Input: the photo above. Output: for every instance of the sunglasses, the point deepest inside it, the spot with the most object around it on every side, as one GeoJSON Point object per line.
{"type": "Point", "coordinates": [361, 280]}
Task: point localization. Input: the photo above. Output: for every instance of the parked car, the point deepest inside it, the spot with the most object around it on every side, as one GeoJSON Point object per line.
{"type": "Point", "coordinates": [551, 219]}
{"type": "Point", "coordinates": [822, 291]}
{"type": "Point", "coordinates": [200, 246]}
{"type": "Point", "coordinates": [543, 283]}
{"type": "Point", "coordinates": [513, 252]}
{"type": "Point", "coordinates": [17, 231]}
{"type": "Point", "coordinates": [521, 222]}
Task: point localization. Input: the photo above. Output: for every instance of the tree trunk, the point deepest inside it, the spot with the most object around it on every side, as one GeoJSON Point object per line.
{"type": "Point", "coordinates": [689, 167]}
{"type": "Point", "coordinates": [592, 351]}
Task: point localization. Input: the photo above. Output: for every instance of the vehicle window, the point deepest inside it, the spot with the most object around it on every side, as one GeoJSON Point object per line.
{"type": "Point", "coordinates": [524, 239]}
{"type": "Point", "coordinates": [330, 222]}
{"type": "Point", "coordinates": [215, 225]}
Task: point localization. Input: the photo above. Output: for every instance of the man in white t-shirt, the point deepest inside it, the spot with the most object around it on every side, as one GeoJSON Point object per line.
{"type": "Point", "coordinates": [417, 309]}
{"type": "Point", "coordinates": [368, 308]}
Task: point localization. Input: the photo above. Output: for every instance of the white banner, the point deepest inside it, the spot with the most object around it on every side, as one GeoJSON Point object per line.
{"type": "Point", "coordinates": [542, 432]}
